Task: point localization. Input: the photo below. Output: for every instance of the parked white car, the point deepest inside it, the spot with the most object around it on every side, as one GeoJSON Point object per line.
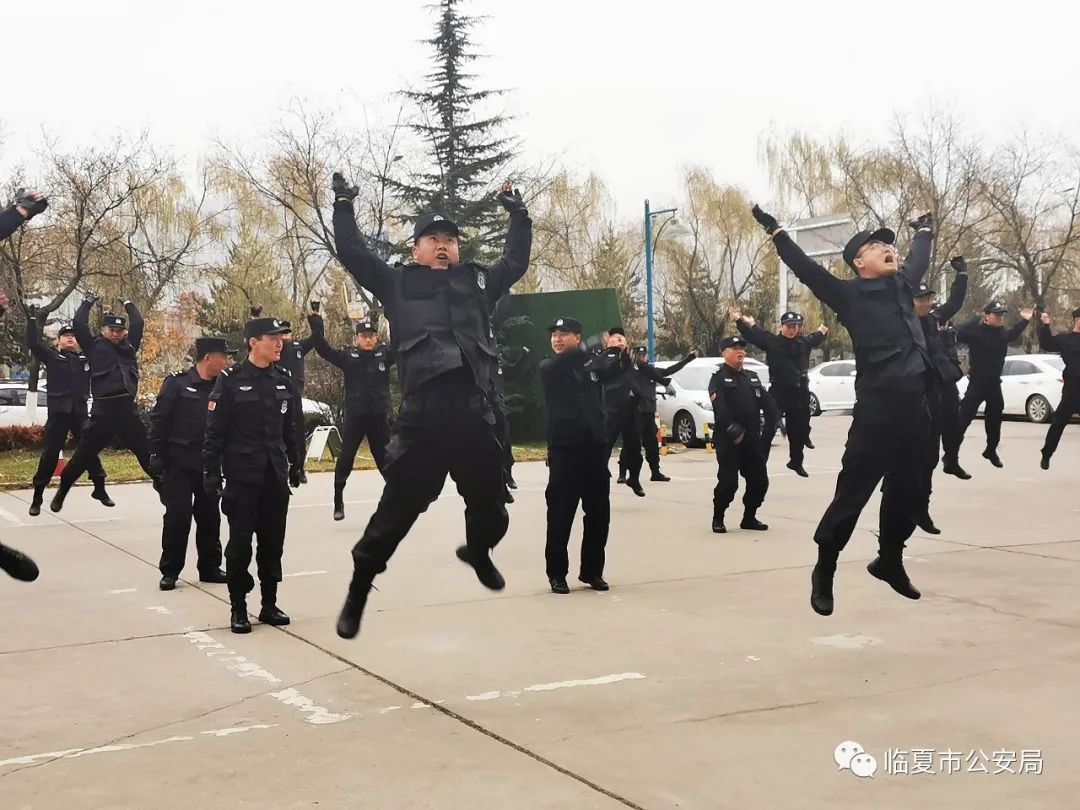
{"type": "Point", "coordinates": [684, 408]}
{"type": "Point", "coordinates": [1031, 385]}
{"type": "Point", "coordinates": [832, 386]}
{"type": "Point", "coordinates": [13, 404]}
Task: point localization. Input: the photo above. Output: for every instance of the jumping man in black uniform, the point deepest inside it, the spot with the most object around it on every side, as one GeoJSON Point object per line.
{"type": "Point", "coordinates": [251, 436]}
{"type": "Point", "coordinates": [114, 383]}
{"type": "Point", "coordinates": [890, 430]}
{"type": "Point", "coordinates": [740, 421]}
{"type": "Point", "coordinates": [366, 368]}
{"type": "Point", "coordinates": [27, 204]}
{"type": "Point", "coordinates": [942, 396]}
{"type": "Point", "coordinates": [1068, 345]}
{"type": "Point", "coordinates": [989, 342]}
{"type": "Point", "coordinates": [440, 321]}
{"type": "Point", "coordinates": [68, 371]}
{"type": "Point", "coordinates": [644, 378]}
{"type": "Point", "coordinates": [176, 435]}
{"type": "Point", "coordinates": [788, 357]}
{"type": "Point", "coordinates": [577, 452]}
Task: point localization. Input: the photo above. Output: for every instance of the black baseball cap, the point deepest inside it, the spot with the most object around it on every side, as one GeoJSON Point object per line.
{"type": "Point", "coordinates": [995, 308]}
{"type": "Point", "coordinates": [565, 325]}
{"type": "Point", "coordinates": [732, 342]}
{"type": "Point", "coordinates": [258, 327]}
{"type": "Point", "coordinates": [791, 317]}
{"type": "Point", "coordinates": [616, 330]}
{"type": "Point", "coordinates": [861, 238]}
{"type": "Point", "coordinates": [1076, 313]}
{"type": "Point", "coordinates": [923, 291]}
{"type": "Point", "coordinates": [113, 320]}
{"type": "Point", "coordinates": [67, 329]}
{"type": "Point", "coordinates": [366, 326]}
{"type": "Point", "coordinates": [430, 223]}
{"type": "Point", "coordinates": [205, 345]}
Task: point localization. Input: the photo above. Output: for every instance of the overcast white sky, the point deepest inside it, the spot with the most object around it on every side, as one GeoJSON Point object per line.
{"type": "Point", "coordinates": [632, 90]}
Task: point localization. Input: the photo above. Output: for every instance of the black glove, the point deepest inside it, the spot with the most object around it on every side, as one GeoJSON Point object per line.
{"type": "Point", "coordinates": [294, 476]}
{"type": "Point", "coordinates": [512, 202]}
{"type": "Point", "coordinates": [90, 299]}
{"type": "Point", "coordinates": [766, 221]}
{"type": "Point", "coordinates": [925, 221]}
{"type": "Point", "coordinates": [211, 483]}
{"type": "Point", "coordinates": [958, 264]}
{"type": "Point", "coordinates": [342, 189]}
{"type": "Point", "coordinates": [123, 302]}
{"type": "Point", "coordinates": [27, 203]}
{"type": "Point", "coordinates": [156, 465]}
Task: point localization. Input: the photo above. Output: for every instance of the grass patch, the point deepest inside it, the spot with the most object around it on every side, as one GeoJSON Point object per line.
{"type": "Point", "coordinates": [17, 467]}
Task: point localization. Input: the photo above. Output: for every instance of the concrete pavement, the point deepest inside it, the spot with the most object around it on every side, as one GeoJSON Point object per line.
{"type": "Point", "coordinates": [701, 680]}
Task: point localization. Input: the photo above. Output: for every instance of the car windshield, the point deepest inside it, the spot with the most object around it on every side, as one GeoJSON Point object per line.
{"type": "Point", "coordinates": [695, 378]}
{"type": "Point", "coordinates": [1055, 363]}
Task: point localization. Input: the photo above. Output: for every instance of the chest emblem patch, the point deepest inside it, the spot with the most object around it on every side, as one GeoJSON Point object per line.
{"type": "Point", "coordinates": [285, 406]}
{"type": "Point", "coordinates": [481, 280]}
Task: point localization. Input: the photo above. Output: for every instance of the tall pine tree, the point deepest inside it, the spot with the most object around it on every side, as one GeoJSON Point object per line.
{"type": "Point", "coordinates": [467, 152]}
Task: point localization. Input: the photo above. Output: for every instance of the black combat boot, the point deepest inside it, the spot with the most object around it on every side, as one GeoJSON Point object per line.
{"type": "Point", "coordinates": [62, 490]}
{"type": "Point", "coordinates": [926, 523]}
{"type": "Point", "coordinates": [271, 613]}
{"type": "Point", "coordinates": [35, 504]}
{"type": "Point", "coordinates": [951, 466]}
{"type": "Point", "coordinates": [339, 503]}
{"type": "Point", "coordinates": [348, 623]}
{"type": "Point", "coordinates": [821, 582]}
{"type": "Point", "coordinates": [238, 615]}
{"type": "Point", "coordinates": [485, 569]}
{"type": "Point", "coordinates": [891, 570]}
{"type": "Point", "coordinates": [750, 521]}
{"type": "Point", "coordinates": [99, 493]}
{"type": "Point", "coordinates": [990, 454]}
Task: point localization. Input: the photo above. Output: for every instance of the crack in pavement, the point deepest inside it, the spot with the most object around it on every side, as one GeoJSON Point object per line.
{"type": "Point", "coordinates": [192, 718]}
{"type": "Point", "coordinates": [75, 644]}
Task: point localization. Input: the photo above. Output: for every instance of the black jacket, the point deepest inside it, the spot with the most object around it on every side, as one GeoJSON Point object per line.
{"type": "Point", "coordinates": [988, 346]}
{"type": "Point", "coordinates": [741, 405]}
{"type": "Point", "coordinates": [68, 373]}
{"type": "Point", "coordinates": [940, 338]}
{"type": "Point", "coordinates": [10, 220]}
{"type": "Point", "coordinates": [178, 419]}
{"type": "Point", "coordinates": [114, 367]}
{"type": "Point", "coordinates": [440, 320]}
{"type": "Point", "coordinates": [367, 374]}
{"type": "Point", "coordinates": [248, 425]}
{"type": "Point", "coordinates": [505, 364]}
{"type": "Point", "coordinates": [644, 378]}
{"type": "Point", "coordinates": [573, 384]}
{"type": "Point", "coordinates": [1067, 344]}
{"type": "Point", "coordinates": [788, 358]}
{"type": "Point", "coordinates": [292, 359]}
{"type": "Point", "coordinates": [890, 350]}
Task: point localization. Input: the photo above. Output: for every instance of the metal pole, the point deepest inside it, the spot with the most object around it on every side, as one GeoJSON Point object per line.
{"type": "Point", "coordinates": [649, 282]}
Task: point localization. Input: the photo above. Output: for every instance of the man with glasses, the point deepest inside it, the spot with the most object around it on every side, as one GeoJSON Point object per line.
{"type": "Point", "coordinates": [890, 429]}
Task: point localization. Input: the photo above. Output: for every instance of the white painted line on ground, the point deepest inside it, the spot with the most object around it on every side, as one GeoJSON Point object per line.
{"type": "Point", "coordinates": [317, 715]}
{"type": "Point", "coordinates": [164, 611]}
{"type": "Point", "coordinates": [11, 518]}
{"type": "Point", "coordinates": [122, 590]}
{"type": "Point", "coordinates": [306, 573]}
{"type": "Point", "coordinates": [847, 641]}
{"type": "Point", "coordinates": [549, 687]}
{"type": "Point", "coordinates": [72, 753]}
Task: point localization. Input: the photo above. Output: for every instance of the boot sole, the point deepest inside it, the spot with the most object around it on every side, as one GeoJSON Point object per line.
{"type": "Point", "coordinates": [241, 630]}
{"type": "Point", "coordinates": [495, 579]}
{"type": "Point", "coordinates": [275, 623]}
{"type": "Point", "coordinates": [870, 570]}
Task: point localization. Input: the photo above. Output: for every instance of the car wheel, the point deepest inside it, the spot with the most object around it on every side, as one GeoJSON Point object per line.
{"type": "Point", "coordinates": [815, 406]}
{"type": "Point", "coordinates": [684, 430]}
{"type": "Point", "coordinates": [1038, 409]}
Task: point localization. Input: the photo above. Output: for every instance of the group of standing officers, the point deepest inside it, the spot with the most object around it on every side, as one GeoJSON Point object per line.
{"type": "Point", "coordinates": [228, 437]}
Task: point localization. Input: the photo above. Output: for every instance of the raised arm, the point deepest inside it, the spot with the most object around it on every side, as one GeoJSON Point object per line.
{"type": "Point", "coordinates": [514, 262]}
{"type": "Point", "coordinates": [672, 370]}
{"type": "Point", "coordinates": [1047, 341]}
{"type": "Point", "coordinates": [370, 272]}
{"type": "Point", "coordinates": [27, 204]}
{"type": "Point", "coordinates": [135, 325]}
{"type": "Point", "coordinates": [917, 261]}
{"type": "Point", "coordinates": [966, 331]}
{"type": "Point", "coordinates": [81, 322]}
{"type": "Point", "coordinates": [957, 292]}
{"type": "Point", "coordinates": [33, 339]}
{"type": "Point", "coordinates": [653, 373]}
{"type": "Point", "coordinates": [318, 342]}
{"type": "Point", "coordinates": [815, 338]}
{"type": "Point", "coordinates": [753, 333]}
{"type": "Point", "coordinates": [609, 364]}
{"type": "Point", "coordinates": [1017, 329]}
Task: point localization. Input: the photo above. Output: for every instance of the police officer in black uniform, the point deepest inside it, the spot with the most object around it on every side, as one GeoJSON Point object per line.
{"type": "Point", "coordinates": [788, 358]}
{"type": "Point", "coordinates": [293, 353]}
{"type": "Point", "coordinates": [577, 439]}
{"type": "Point", "coordinates": [440, 323]}
{"type": "Point", "coordinates": [114, 382]}
{"type": "Point", "coordinates": [176, 435]}
{"type": "Point", "coordinates": [942, 396]}
{"type": "Point", "coordinates": [1067, 344]}
{"type": "Point", "coordinates": [741, 411]}
{"type": "Point", "coordinates": [502, 422]}
{"type": "Point", "coordinates": [366, 368]}
{"type": "Point", "coordinates": [68, 371]}
{"type": "Point", "coordinates": [251, 437]}
{"type": "Point", "coordinates": [620, 402]}
{"type": "Point", "coordinates": [644, 378]}
{"type": "Point", "coordinates": [988, 341]}
{"type": "Point", "coordinates": [890, 431]}
{"type": "Point", "coordinates": [27, 204]}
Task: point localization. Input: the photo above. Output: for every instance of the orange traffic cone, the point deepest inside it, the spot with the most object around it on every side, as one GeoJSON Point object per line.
{"type": "Point", "coordinates": [660, 436]}
{"type": "Point", "coordinates": [59, 464]}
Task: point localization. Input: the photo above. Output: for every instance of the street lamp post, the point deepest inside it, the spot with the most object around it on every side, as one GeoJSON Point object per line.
{"type": "Point", "coordinates": [650, 248]}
